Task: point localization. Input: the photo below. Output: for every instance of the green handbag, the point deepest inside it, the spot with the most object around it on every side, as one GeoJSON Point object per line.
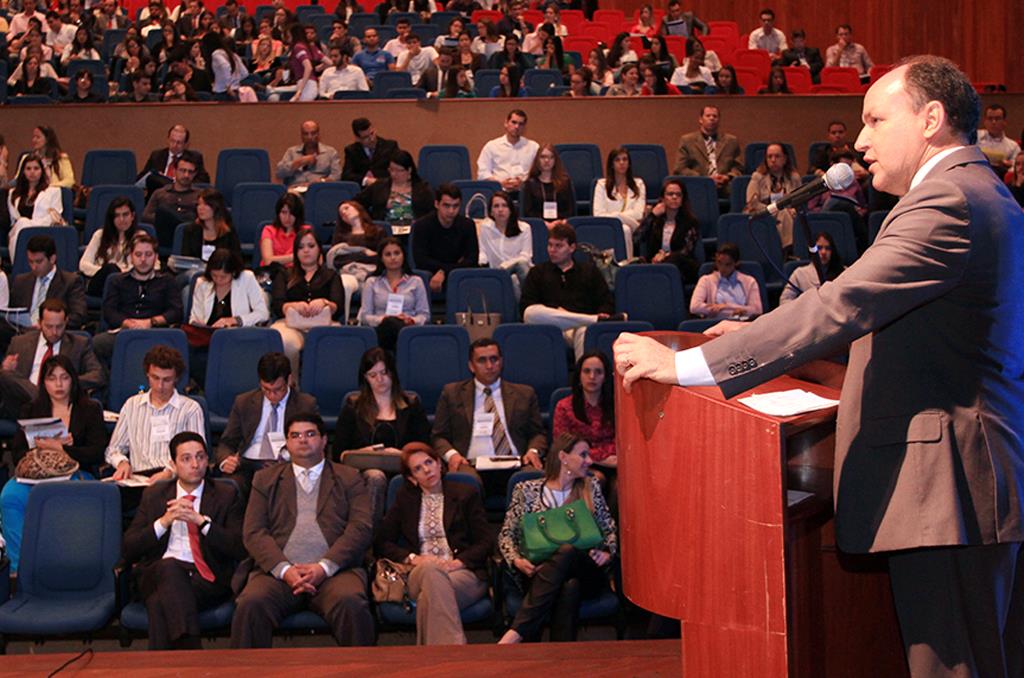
{"type": "Point", "coordinates": [545, 531]}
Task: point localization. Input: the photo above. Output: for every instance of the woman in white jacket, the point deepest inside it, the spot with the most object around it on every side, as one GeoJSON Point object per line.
{"type": "Point", "coordinates": [227, 295]}
{"type": "Point", "coordinates": [506, 242]}
{"type": "Point", "coordinates": [32, 201]}
{"type": "Point", "coordinates": [621, 195]}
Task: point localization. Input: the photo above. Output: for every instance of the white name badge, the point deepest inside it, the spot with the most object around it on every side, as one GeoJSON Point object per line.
{"type": "Point", "coordinates": [272, 444]}
{"type": "Point", "coordinates": [395, 303]}
{"type": "Point", "coordinates": [775, 197]}
{"type": "Point", "coordinates": [550, 209]}
{"type": "Point", "coordinates": [160, 429]}
{"type": "Point", "coordinates": [483, 424]}
{"type": "Point", "coordinates": [207, 252]}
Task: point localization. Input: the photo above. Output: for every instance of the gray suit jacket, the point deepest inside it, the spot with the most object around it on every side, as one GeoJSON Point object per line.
{"type": "Point", "coordinates": [244, 419]}
{"type": "Point", "coordinates": [90, 372]}
{"type": "Point", "coordinates": [453, 419]}
{"type": "Point", "coordinates": [692, 158]}
{"type": "Point", "coordinates": [929, 441]}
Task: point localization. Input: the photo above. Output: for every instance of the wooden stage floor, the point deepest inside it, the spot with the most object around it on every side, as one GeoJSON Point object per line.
{"type": "Point", "coordinates": [599, 658]}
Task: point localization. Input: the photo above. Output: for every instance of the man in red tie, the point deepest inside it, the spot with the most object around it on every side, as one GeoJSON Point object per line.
{"type": "Point", "coordinates": [185, 541]}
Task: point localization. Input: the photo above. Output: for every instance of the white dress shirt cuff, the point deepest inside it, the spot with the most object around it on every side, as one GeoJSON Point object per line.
{"type": "Point", "coordinates": [280, 569]}
{"type": "Point", "coordinates": [449, 454]}
{"type": "Point", "coordinates": [330, 567]}
{"type": "Point", "coordinates": [692, 369]}
{"type": "Point", "coordinates": [159, 529]}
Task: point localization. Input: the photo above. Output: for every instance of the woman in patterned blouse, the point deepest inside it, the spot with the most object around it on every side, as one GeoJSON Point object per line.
{"type": "Point", "coordinates": [440, 528]}
{"type": "Point", "coordinates": [568, 576]}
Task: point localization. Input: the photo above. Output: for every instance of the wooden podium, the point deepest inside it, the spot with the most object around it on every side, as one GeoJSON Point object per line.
{"type": "Point", "coordinates": [709, 537]}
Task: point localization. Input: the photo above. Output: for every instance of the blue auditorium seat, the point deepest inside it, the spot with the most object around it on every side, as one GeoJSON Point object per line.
{"type": "Point", "coordinates": [534, 355]}
{"type": "Point", "coordinates": [330, 365]}
{"type": "Point", "coordinates": [651, 292]}
{"type": "Point", "coordinates": [430, 356]}
{"type": "Point", "coordinates": [231, 367]}
{"type": "Point", "coordinates": [127, 375]}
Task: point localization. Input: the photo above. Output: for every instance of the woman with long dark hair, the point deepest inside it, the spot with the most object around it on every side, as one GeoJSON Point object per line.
{"type": "Point", "coordinates": [109, 248]}
{"type": "Point", "coordinates": [774, 176]}
{"type": "Point", "coordinates": [360, 237]}
{"type": "Point", "coordinates": [278, 237]}
{"type": "Point", "coordinates": [776, 82]}
{"type": "Point", "coordinates": [509, 83]}
{"type": "Point", "coordinates": [726, 82]}
{"type": "Point", "coordinates": [589, 412]}
{"type": "Point", "coordinates": [505, 242]}
{"type": "Point", "coordinates": [33, 201]}
{"type": "Point", "coordinates": [392, 278]}
{"type": "Point", "coordinates": [672, 233]}
{"type": "Point", "coordinates": [225, 67]}
{"type": "Point", "coordinates": [402, 197]}
{"type": "Point", "coordinates": [57, 163]}
{"type": "Point", "coordinates": [301, 66]}
{"type": "Point", "coordinates": [621, 52]}
{"type": "Point", "coordinates": [547, 192]}
{"type": "Point", "coordinates": [212, 228]}
{"type": "Point", "coordinates": [621, 195]}
{"type": "Point", "coordinates": [655, 83]}
{"type": "Point", "coordinates": [806, 277]}
{"type": "Point", "coordinates": [80, 48]}
{"type": "Point", "coordinates": [227, 295]}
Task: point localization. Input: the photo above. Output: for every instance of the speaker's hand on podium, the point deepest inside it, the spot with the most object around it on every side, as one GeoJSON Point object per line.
{"type": "Point", "coordinates": [639, 357]}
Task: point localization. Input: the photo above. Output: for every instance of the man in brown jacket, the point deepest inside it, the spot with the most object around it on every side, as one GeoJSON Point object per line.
{"type": "Point", "coordinates": [307, 528]}
{"type": "Point", "coordinates": [929, 442]}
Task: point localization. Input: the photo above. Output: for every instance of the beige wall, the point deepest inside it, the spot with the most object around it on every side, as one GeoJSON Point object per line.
{"type": "Point", "coordinates": [606, 122]}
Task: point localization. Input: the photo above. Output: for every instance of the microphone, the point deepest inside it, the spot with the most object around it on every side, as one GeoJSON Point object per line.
{"type": "Point", "coordinates": [839, 177]}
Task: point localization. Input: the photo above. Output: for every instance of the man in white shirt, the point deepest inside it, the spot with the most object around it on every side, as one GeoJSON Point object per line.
{"type": "Point", "coordinates": [148, 420]}
{"type": "Point", "coordinates": [416, 59]}
{"type": "Point", "coordinates": [508, 158]}
{"type": "Point", "coordinates": [1000, 149]}
{"type": "Point", "coordinates": [767, 37]}
{"type": "Point", "coordinates": [184, 542]}
{"type": "Point", "coordinates": [19, 22]}
{"type": "Point", "coordinates": [341, 75]}
{"type": "Point", "coordinates": [59, 34]}
{"type": "Point", "coordinates": [398, 44]}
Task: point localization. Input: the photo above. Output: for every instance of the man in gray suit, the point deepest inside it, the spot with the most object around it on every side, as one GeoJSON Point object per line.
{"type": "Point", "coordinates": [19, 374]}
{"type": "Point", "coordinates": [710, 153]}
{"type": "Point", "coordinates": [257, 420]}
{"type": "Point", "coordinates": [486, 416]}
{"type": "Point", "coordinates": [929, 444]}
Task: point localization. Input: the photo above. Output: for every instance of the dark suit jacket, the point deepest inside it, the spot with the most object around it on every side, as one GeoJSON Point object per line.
{"type": "Point", "coordinates": [453, 419]}
{"type": "Point", "coordinates": [157, 163]}
{"type": "Point", "coordinates": [65, 286]}
{"type": "Point", "coordinates": [465, 526]}
{"type": "Point", "coordinates": [352, 432]}
{"type": "Point", "coordinates": [221, 546]}
{"type": "Point", "coordinates": [929, 449]}
{"type": "Point", "coordinates": [90, 372]}
{"type": "Point", "coordinates": [357, 164]}
{"type": "Point", "coordinates": [343, 514]}
{"type": "Point", "coordinates": [375, 199]}
{"type": "Point", "coordinates": [692, 158]}
{"type": "Point", "coordinates": [86, 427]}
{"type": "Point", "coordinates": [790, 57]}
{"type": "Point", "coordinates": [244, 419]}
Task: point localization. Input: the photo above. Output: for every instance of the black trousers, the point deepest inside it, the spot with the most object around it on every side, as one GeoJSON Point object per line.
{"type": "Point", "coordinates": [961, 610]}
{"type": "Point", "coordinates": [555, 592]}
{"type": "Point", "coordinates": [176, 595]}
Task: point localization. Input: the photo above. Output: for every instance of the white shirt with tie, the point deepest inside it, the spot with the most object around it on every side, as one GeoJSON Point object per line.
{"type": "Point", "coordinates": [256, 444]}
{"type": "Point", "coordinates": [39, 290]}
{"type": "Point", "coordinates": [483, 446]}
{"type": "Point", "coordinates": [178, 545]}
{"type": "Point", "coordinates": [37, 360]}
{"type": "Point", "coordinates": [307, 480]}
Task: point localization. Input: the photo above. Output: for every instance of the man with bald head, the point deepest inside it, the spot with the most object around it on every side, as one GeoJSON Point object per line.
{"type": "Point", "coordinates": [310, 162]}
{"type": "Point", "coordinates": [929, 459]}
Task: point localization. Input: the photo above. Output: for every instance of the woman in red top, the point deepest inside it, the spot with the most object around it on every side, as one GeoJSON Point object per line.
{"type": "Point", "coordinates": [589, 411]}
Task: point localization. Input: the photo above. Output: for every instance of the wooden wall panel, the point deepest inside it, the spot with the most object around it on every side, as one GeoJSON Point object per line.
{"type": "Point", "coordinates": [978, 36]}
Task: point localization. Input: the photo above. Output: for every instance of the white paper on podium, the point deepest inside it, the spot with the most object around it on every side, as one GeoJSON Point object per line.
{"type": "Point", "coordinates": [787, 403]}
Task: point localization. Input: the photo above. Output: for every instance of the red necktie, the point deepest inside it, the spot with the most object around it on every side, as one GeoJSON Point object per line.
{"type": "Point", "coordinates": [171, 167]}
{"type": "Point", "coordinates": [46, 356]}
{"type": "Point", "coordinates": [197, 553]}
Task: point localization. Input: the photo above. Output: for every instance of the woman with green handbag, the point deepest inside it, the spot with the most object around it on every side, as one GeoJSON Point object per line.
{"type": "Point", "coordinates": [558, 538]}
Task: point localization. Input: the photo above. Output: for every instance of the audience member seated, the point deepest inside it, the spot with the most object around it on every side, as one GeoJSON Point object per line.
{"type": "Point", "coordinates": [397, 45]}
{"type": "Point", "coordinates": [581, 83]}
{"type": "Point", "coordinates": [80, 49]}
{"type": "Point", "coordinates": [307, 529]}
{"type": "Point", "coordinates": [33, 201]}
{"type": "Point", "coordinates": [309, 162]}
{"type": "Point", "coordinates": [109, 247]}
{"type": "Point", "coordinates": [725, 81]}
{"type": "Point", "coordinates": [459, 85]}
{"type": "Point", "coordinates": [726, 292]}
{"type": "Point", "coordinates": [851, 200]}
{"type": "Point", "coordinates": [621, 52]}
{"type": "Point", "coordinates": [278, 237]}
{"type": "Point", "coordinates": [445, 239]}
{"type": "Point", "coordinates": [660, 57]}
{"type": "Point", "coordinates": [56, 163]}
{"type": "Point", "coordinates": [450, 38]}
{"type": "Point", "coordinates": [20, 21]}
{"type": "Point", "coordinates": [372, 59]}
{"type": "Point", "coordinates": [392, 283]}
{"type": "Point", "coordinates": [773, 179]}
{"type": "Point", "coordinates": [655, 82]}
{"type": "Point", "coordinates": [148, 421]}
{"type": "Point", "coordinates": [367, 159]}
{"type": "Point", "coordinates": [142, 90]}
{"type": "Point", "coordinates": [486, 416]}
{"type": "Point", "coordinates": [212, 228]}
{"type": "Point", "coordinates": [670, 234]}
{"type": "Point", "coordinates": [629, 85]}
{"type": "Point", "coordinates": [174, 203]}
{"type": "Point", "coordinates": [464, 55]}
{"type": "Point", "coordinates": [848, 54]}
{"type": "Point", "coordinates": [776, 82]}
{"type": "Point", "coordinates": [589, 413]}
{"type": "Point", "coordinates": [77, 454]}
{"type": "Point", "coordinates": [440, 529]}
{"type": "Point", "coordinates": [184, 541]}
{"type": "Point", "coordinates": [510, 84]}
{"type": "Point", "coordinates": [510, 55]}
{"type": "Point", "coordinates": [22, 366]}
{"type": "Point", "coordinates": [533, 43]}
{"type": "Point", "coordinates": [767, 37]}
{"type": "Point", "coordinates": [359, 237]}
{"type": "Point", "coordinates": [514, 23]}
{"type": "Point", "coordinates": [567, 294]}
{"type": "Point", "coordinates": [646, 26]}
{"type": "Point", "coordinates": [555, 586]}
{"type": "Point", "coordinates": [710, 153]}
{"type": "Point", "coordinates": [1000, 149]}
{"type": "Point", "coordinates": [308, 294]}
{"type": "Point", "coordinates": [140, 298]}
{"type": "Point", "coordinates": [44, 281]}
{"type": "Point", "coordinates": [254, 436]}
{"type": "Point", "coordinates": [604, 76]}
{"type": "Point", "coordinates": [341, 75]}
{"type": "Point", "coordinates": [506, 242]}
{"type": "Point", "coordinates": [508, 158]}
{"type": "Point", "coordinates": [838, 143]}
{"type": "Point", "coordinates": [81, 90]}
{"type": "Point", "coordinates": [1015, 179]}
{"type": "Point", "coordinates": [30, 77]}
{"type": "Point", "coordinates": [802, 55]}
{"type": "Point", "coordinates": [547, 192]}
{"type": "Point", "coordinates": [264, 65]}
{"type": "Point", "coordinates": [438, 74]}
{"type": "Point", "coordinates": [225, 295]}
{"type": "Point", "coordinates": [415, 59]}
{"type": "Point", "coordinates": [400, 196]}
{"type": "Point", "coordinates": [160, 169]}
{"type": "Point", "coordinates": [806, 277]}
{"type": "Point", "coordinates": [621, 195]}
{"type": "Point", "coordinates": [678, 22]}
{"type": "Point", "coordinates": [488, 41]}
